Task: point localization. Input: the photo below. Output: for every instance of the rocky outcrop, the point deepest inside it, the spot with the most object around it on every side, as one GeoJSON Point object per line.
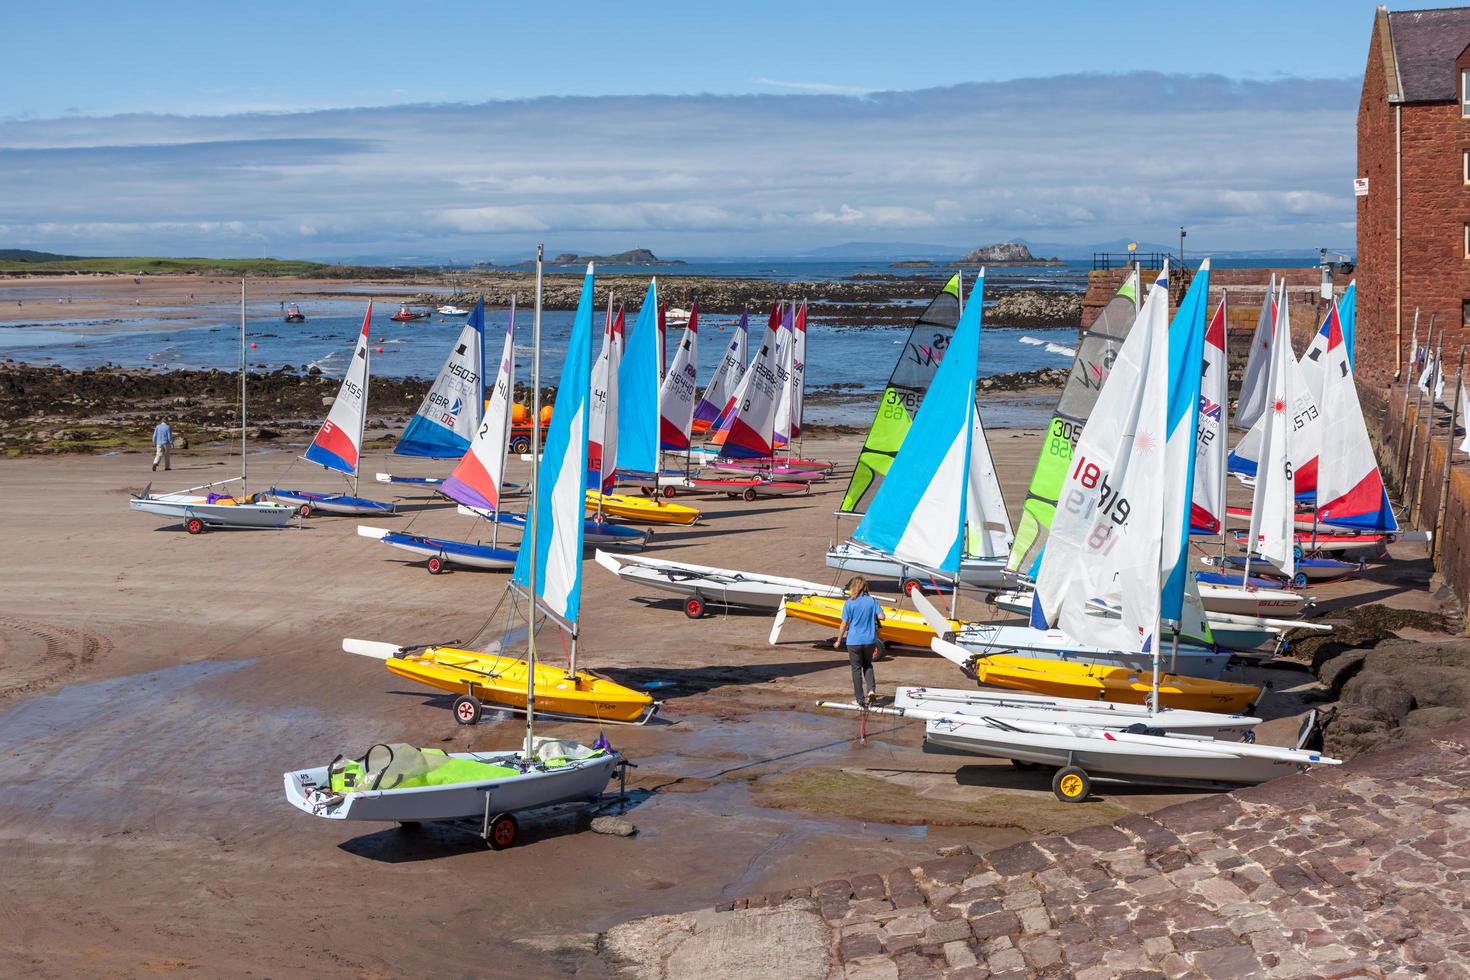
{"type": "Point", "coordinates": [634, 256]}
{"type": "Point", "coordinates": [1399, 689]}
{"type": "Point", "coordinates": [1035, 308]}
{"type": "Point", "coordinates": [1005, 253]}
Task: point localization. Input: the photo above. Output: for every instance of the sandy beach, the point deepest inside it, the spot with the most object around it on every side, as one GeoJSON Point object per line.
{"type": "Point", "coordinates": [156, 685]}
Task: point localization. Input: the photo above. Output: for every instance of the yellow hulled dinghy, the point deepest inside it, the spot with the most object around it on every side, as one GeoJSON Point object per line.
{"type": "Point", "coordinates": [1101, 682]}
{"type": "Point", "coordinates": [488, 677]}
{"type": "Point", "coordinates": [899, 627]}
{"type": "Point", "coordinates": [639, 510]}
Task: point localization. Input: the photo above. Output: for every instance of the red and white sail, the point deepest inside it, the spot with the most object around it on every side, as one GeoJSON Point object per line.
{"type": "Point", "coordinates": [1207, 508]}
{"type": "Point", "coordinates": [602, 422]}
{"type": "Point", "coordinates": [676, 396]}
{"type": "Point", "coordinates": [726, 379]}
{"type": "Point", "coordinates": [745, 425]}
{"type": "Point", "coordinates": [1252, 399]}
{"type": "Point", "coordinates": [788, 417]}
{"type": "Point", "coordinates": [338, 442]}
{"type": "Point", "coordinates": [1350, 489]}
{"type": "Point", "coordinates": [1273, 506]}
{"type": "Point", "coordinates": [1307, 418]}
{"type": "Point", "coordinates": [479, 478]}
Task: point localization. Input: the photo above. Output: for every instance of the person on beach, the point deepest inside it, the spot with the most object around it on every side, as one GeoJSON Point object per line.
{"type": "Point", "coordinates": [163, 445]}
{"type": "Point", "coordinates": [860, 617]}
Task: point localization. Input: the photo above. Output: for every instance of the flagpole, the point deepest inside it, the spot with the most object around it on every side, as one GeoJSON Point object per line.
{"type": "Point", "coordinates": [1449, 454]}
{"type": "Point", "coordinates": [529, 750]}
{"type": "Point", "coordinates": [244, 485]}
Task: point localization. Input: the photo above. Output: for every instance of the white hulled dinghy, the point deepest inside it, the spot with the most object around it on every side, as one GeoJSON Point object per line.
{"type": "Point", "coordinates": [704, 585]}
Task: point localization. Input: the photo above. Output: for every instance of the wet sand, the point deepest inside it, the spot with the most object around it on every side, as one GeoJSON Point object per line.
{"type": "Point", "coordinates": [154, 686]}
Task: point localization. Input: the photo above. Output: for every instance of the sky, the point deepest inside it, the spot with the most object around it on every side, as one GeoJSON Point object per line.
{"type": "Point", "coordinates": [472, 130]}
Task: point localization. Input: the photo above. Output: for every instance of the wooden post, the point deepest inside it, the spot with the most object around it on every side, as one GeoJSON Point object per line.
{"type": "Point", "coordinates": [1449, 455]}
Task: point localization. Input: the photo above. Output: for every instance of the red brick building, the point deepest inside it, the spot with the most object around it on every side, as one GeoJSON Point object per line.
{"type": "Point", "coordinates": [1414, 156]}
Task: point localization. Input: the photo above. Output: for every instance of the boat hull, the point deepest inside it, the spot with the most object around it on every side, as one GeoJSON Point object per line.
{"type": "Point", "coordinates": [990, 639]}
{"type": "Point", "coordinates": [718, 586]}
{"type": "Point", "coordinates": [595, 533]}
{"type": "Point", "coordinates": [1012, 706]}
{"type": "Point", "coordinates": [579, 780]}
{"type": "Point", "coordinates": [1252, 602]}
{"type": "Point", "coordinates": [461, 553]}
{"type": "Point", "coordinates": [899, 627]}
{"type": "Point", "coordinates": [1104, 682]}
{"type": "Point", "coordinates": [184, 508]}
{"type": "Point", "coordinates": [1100, 756]}
{"type": "Point", "coordinates": [980, 573]}
{"type": "Point", "coordinates": [502, 680]}
{"type": "Point", "coordinates": [640, 510]}
{"type": "Point", "coordinates": [332, 503]}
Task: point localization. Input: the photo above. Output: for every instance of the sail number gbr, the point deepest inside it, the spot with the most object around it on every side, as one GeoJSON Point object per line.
{"type": "Point", "coordinates": [1104, 500]}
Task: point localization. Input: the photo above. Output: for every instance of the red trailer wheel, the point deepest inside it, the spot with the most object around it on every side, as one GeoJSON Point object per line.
{"type": "Point", "coordinates": [503, 832]}
{"type": "Point", "coordinates": [912, 585]}
{"type": "Point", "coordinates": [694, 607]}
{"type": "Point", "coordinates": [436, 565]}
{"type": "Point", "coordinates": [669, 492]}
{"type": "Point", "coordinates": [749, 495]}
{"type": "Point", "coordinates": [194, 525]}
{"type": "Point", "coordinates": [304, 510]}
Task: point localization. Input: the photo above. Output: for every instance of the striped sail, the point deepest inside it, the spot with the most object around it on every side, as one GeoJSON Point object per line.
{"type": "Point", "coordinates": [1096, 351]}
{"type": "Point", "coordinates": [450, 414]}
{"type": "Point", "coordinates": [722, 426]}
{"type": "Point", "coordinates": [602, 432]}
{"type": "Point", "coordinates": [339, 440]}
{"type": "Point", "coordinates": [1207, 508]}
{"type": "Point", "coordinates": [918, 514]}
{"type": "Point", "coordinates": [561, 481]}
{"type": "Point", "coordinates": [904, 393]}
{"type": "Point", "coordinates": [1186, 355]}
{"type": "Point", "coordinates": [1350, 489]}
{"type": "Point", "coordinates": [1347, 317]}
{"type": "Point", "coordinates": [1106, 539]}
{"type": "Point", "coordinates": [726, 379]}
{"type": "Point", "coordinates": [1307, 418]}
{"type": "Point", "coordinates": [638, 383]}
{"type": "Point", "coordinates": [1273, 504]}
{"type": "Point", "coordinates": [676, 398]}
{"type": "Point", "coordinates": [785, 379]}
{"type": "Point", "coordinates": [753, 425]}
{"type": "Point", "coordinates": [480, 476]}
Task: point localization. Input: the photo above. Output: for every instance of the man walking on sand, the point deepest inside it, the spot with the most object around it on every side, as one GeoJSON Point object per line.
{"type": "Point", "coordinates": [163, 445]}
{"type": "Point", "coordinates": [860, 617]}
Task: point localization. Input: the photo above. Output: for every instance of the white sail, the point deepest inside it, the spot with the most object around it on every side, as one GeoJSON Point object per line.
{"type": "Point", "coordinates": [602, 420]}
{"type": "Point", "coordinates": [1273, 506]}
{"type": "Point", "coordinates": [479, 479]}
{"type": "Point", "coordinates": [1107, 536]}
{"type": "Point", "coordinates": [676, 397]}
{"type": "Point", "coordinates": [1307, 437]}
{"type": "Point", "coordinates": [988, 531]}
{"type": "Point", "coordinates": [1253, 384]}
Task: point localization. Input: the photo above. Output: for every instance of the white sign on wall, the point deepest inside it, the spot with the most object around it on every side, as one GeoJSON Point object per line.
{"type": "Point", "coordinates": [1360, 187]}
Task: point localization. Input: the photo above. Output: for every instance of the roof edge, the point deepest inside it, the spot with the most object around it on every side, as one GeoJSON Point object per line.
{"type": "Point", "coordinates": [1393, 84]}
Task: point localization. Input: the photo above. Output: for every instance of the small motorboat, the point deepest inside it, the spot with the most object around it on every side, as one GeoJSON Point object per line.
{"type": "Point", "coordinates": [451, 310]}
{"type": "Point", "coordinates": [293, 314]}
{"type": "Point", "coordinates": [477, 677]}
{"type": "Point", "coordinates": [704, 585]}
{"type": "Point", "coordinates": [396, 782]}
{"type": "Point", "coordinates": [441, 553]}
{"type": "Point", "coordinates": [676, 317]}
{"type": "Point", "coordinates": [309, 502]}
{"type": "Point", "coordinates": [405, 315]}
{"type": "Point", "coordinates": [859, 559]}
{"type": "Point", "coordinates": [198, 512]}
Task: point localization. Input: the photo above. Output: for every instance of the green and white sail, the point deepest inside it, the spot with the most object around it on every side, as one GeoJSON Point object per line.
{"type": "Point", "coordinates": [910, 379]}
{"type": "Point", "coordinates": [1096, 352]}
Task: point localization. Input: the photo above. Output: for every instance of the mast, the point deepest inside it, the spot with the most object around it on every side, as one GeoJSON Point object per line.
{"type": "Point", "coordinates": [527, 751]}
{"type": "Point", "coordinates": [244, 486]}
{"type": "Point", "coordinates": [367, 380]}
{"type": "Point", "coordinates": [1224, 427]}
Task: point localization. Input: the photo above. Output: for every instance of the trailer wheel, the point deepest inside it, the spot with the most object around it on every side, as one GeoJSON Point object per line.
{"type": "Point", "coordinates": [520, 445]}
{"type": "Point", "coordinates": [503, 832]}
{"type": "Point", "coordinates": [304, 510]}
{"type": "Point", "coordinates": [1296, 552]}
{"type": "Point", "coordinates": [694, 607]}
{"type": "Point", "coordinates": [1299, 580]}
{"type": "Point", "coordinates": [194, 525]}
{"type": "Point", "coordinates": [645, 491]}
{"type": "Point", "coordinates": [912, 585]}
{"type": "Point", "coordinates": [467, 709]}
{"type": "Point", "coordinates": [436, 564]}
{"type": "Point", "coordinates": [669, 492]}
{"type": "Point", "coordinates": [1071, 784]}
{"type": "Point", "coordinates": [749, 495]}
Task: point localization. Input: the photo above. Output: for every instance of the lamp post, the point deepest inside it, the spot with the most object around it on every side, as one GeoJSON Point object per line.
{"type": "Point", "coordinates": [1181, 246]}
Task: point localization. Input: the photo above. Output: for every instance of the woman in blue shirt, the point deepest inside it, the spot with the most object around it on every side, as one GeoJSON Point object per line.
{"type": "Point", "coordinates": [860, 617]}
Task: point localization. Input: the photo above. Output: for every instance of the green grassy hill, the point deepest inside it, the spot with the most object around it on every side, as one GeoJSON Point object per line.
{"type": "Point", "coordinates": [146, 265]}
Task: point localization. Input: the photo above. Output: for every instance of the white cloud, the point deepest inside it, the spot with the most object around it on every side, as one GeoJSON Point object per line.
{"type": "Point", "coordinates": [818, 88]}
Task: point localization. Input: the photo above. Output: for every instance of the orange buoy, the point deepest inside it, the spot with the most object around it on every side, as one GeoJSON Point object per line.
{"type": "Point", "coordinates": [520, 414]}
{"type": "Point", "coordinates": [545, 414]}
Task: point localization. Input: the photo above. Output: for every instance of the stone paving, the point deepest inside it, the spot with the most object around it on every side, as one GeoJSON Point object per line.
{"type": "Point", "coordinates": [1359, 870]}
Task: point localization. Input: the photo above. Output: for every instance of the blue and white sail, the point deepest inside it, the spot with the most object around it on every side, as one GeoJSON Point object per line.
{"type": "Point", "coordinates": [1347, 318]}
{"type": "Point", "coordinates": [919, 513]}
{"type": "Point", "coordinates": [1186, 360]}
{"type": "Point", "coordinates": [446, 422]}
{"type": "Point", "coordinates": [1106, 539]}
{"type": "Point", "coordinates": [638, 385]}
{"type": "Point", "coordinates": [339, 441]}
{"type": "Point", "coordinates": [561, 482]}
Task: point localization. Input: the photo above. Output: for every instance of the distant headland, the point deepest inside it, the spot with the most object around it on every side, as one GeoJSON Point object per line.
{"type": "Point", "coordinates": [633, 256]}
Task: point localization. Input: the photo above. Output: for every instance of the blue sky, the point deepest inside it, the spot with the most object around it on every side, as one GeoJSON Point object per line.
{"type": "Point", "coordinates": [752, 128]}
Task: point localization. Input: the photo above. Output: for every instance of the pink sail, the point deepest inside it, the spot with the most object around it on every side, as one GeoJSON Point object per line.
{"type": "Point", "coordinates": [676, 397]}
{"type": "Point", "coordinates": [1207, 507]}
{"type": "Point", "coordinates": [726, 422]}
{"type": "Point", "coordinates": [753, 428]}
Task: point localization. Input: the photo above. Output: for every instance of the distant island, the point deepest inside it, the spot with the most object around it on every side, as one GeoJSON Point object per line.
{"type": "Point", "coordinates": [633, 256]}
{"type": "Point", "coordinates": [1005, 253]}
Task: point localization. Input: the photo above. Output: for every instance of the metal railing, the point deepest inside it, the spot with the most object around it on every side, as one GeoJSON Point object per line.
{"type": "Point", "coordinates": [1122, 260]}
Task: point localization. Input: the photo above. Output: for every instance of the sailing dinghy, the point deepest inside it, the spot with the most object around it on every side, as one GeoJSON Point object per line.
{"type": "Point", "coordinates": [704, 585]}
{"type": "Point", "coordinates": [200, 511]}
{"type": "Point", "coordinates": [337, 445]}
{"type": "Point", "coordinates": [548, 572]}
{"type": "Point", "coordinates": [721, 388]}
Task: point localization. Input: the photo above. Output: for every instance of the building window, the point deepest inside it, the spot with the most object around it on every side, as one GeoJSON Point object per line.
{"type": "Point", "coordinates": [1465, 312]}
{"type": "Point", "coordinates": [1467, 241]}
{"type": "Point", "coordinates": [1465, 92]}
{"type": "Point", "coordinates": [1466, 155]}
